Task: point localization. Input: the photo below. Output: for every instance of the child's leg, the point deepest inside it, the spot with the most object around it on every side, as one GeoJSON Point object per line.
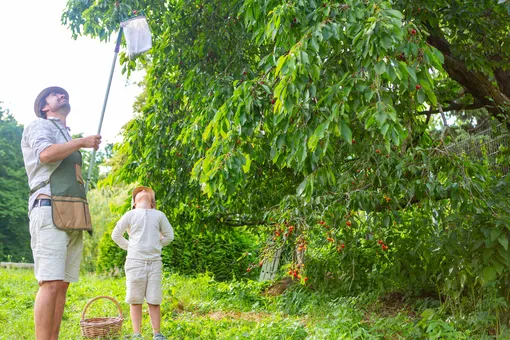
{"type": "Point", "coordinates": [154, 296]}
{"type": "Point", "coordinates": [136, 318]}
{"type": "Point", "coordinates": [136, 284]}
{"type": "Point", "coordinates": [155, 314]}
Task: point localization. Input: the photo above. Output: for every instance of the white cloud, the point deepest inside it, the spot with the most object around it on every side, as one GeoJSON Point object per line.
{"type": "Point", "coordinates": [37, 51]}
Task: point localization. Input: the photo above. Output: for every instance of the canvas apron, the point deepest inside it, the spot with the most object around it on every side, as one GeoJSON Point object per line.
{"type": "Point", "coordinates": [70, 209]}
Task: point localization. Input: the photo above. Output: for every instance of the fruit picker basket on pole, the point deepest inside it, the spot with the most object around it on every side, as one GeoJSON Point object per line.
{"type": "Point", "coordinates": [138, 40]}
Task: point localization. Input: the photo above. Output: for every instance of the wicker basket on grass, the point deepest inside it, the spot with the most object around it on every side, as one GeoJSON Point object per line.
{"type": "Point", "coordinates": [101, 327]}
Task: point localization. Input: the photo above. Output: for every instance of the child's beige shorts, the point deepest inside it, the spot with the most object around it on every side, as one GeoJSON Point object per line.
{"type": "Point", "coordinates": [143, 280]}
{"type": "Point", "coordinates": [57, 253]}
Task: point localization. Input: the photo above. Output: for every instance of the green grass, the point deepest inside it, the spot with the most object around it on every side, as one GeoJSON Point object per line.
{"type": "Point", "coordinates": [201, 308]}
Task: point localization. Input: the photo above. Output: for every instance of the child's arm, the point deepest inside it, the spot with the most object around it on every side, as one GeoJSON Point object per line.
{"type": "Point", "coordinates": [167, 231]}
{"type": "Point", "coordinates": [118, 233]}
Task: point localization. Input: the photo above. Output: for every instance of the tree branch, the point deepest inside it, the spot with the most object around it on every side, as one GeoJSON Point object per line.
{"type": "Point", "coordinates": [454, 107]}
{"type": "Point", "coordinates": [476, 83]}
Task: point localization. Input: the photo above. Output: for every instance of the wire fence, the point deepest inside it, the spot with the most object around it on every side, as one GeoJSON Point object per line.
{"type": "Point", "coordinates": [488, 146]}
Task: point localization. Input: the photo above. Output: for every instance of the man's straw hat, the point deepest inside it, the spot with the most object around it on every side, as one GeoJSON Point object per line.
{"type": "Point", "coordinates": [40, 101]}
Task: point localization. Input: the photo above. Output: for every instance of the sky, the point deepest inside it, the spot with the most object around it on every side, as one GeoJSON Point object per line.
{"type": "Point", "coordinates": [37, 51]}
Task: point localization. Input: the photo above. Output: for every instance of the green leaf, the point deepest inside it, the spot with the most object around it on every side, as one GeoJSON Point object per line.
{"type": "Point", "coordinates": [302, 186]}
{"type": "Point", "coordinates": [304, 58]}
{"type": "Point", "coordinates": [387, 220]}
{"type": "Point", "coordinates": [499, 267]}
{"type": "Point", "coordinates": [369, 93]}
{"type": "Point", "coordinates": [384, 129]}
{"type": "Point", "coordinates": [281, 62]}
{"type": "Point", "coordinates": [314, 72]}
{"type": "Point", "coordinates": [313, 44]}
{"type": "Point", "coordinates": [487, 254]}
{"type": "Point", "coordinates": [318, 134]}
{"type": "Point", "coordinates": [432, 96]}
{"type": "Point", "coordinates": [386, 43]}
{"type": "Point", "coordinates": [489, 274]}
{"type": "Point", "coordinates": [412, 73]}
{"type": "Point", "coordinates": [395, 14]}
{"type": "Point", "coordinates": [326, 32]}
{"type": "Point", "coordinates": [346, 131]}
{"type": "Point", "coordinates": [420, 96]}
{"type": "Point", "coordinates": [246, 167]}
{"type": "Point", "coordinates": [495, 232]}
{"type": "Point", "coordinates": [288, 104]}
{"type": "Point", "coordinates": [504, 242]}
{"type": "Point", "coordinates": [380, 115]}
{"type": "Point", "coordinates": [380, 67]}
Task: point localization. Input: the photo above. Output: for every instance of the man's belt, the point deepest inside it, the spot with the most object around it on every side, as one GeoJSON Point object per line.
{"type": "Point", "coordinates": [42, 202]}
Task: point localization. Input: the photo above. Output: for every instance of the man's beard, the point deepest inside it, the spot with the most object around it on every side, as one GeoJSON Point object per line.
{"type": "Point", "coordinates": [64, 109]}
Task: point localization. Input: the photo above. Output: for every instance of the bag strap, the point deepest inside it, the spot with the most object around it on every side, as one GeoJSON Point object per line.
{"type": "Point", "coordinates": [44, 183]}
{"type": "Point", "coordinates": [39, 186]}
{"type": "Point", "coordinates": [59, 129]}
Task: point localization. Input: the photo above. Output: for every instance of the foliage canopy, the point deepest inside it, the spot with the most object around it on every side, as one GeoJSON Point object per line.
{"type": "Point", "coordinates": [14, 235]}
{"type": "Point", "coordinates": [326, 117]}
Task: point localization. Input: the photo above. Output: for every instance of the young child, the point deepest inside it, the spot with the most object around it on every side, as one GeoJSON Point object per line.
{"type": "Point", "coordinates": [149, 231]}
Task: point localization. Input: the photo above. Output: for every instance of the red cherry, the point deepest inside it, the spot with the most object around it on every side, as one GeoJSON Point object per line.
{"type": "Point", "coordinates": [413, 32]}
{"type": "Point", "coordinates": [418, 86]}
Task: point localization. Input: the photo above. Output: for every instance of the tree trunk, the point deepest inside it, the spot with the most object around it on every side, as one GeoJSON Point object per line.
{"type": "Point", "coordinates": [476, 83]}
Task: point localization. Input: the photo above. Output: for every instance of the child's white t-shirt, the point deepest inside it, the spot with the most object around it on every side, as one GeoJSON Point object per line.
{"type": "Point", "coordinates": [149, 231]}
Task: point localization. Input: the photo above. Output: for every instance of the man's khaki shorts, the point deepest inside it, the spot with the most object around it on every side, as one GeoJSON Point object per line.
{"type": "Point", "coordinates": [57, 253]}
{"type": "Point", "coordinates": [143, 280]}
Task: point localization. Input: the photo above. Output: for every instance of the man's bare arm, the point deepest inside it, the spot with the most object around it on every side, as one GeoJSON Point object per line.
{"type": "Point", "coordinates": [57, 152]}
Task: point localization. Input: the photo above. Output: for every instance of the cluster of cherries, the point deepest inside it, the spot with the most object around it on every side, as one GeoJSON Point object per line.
{"type": "Point", "coordinates": [295, 273]}
{"type": "Point", "coordinates": [383, 246]}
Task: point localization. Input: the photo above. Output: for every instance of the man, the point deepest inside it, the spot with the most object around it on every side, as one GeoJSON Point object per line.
{"type": "Point", "coordinates": [53, 165]}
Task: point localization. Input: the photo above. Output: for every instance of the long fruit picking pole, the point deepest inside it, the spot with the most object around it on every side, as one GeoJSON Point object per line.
{"type": "Point", "coordinates": [93, 157]}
